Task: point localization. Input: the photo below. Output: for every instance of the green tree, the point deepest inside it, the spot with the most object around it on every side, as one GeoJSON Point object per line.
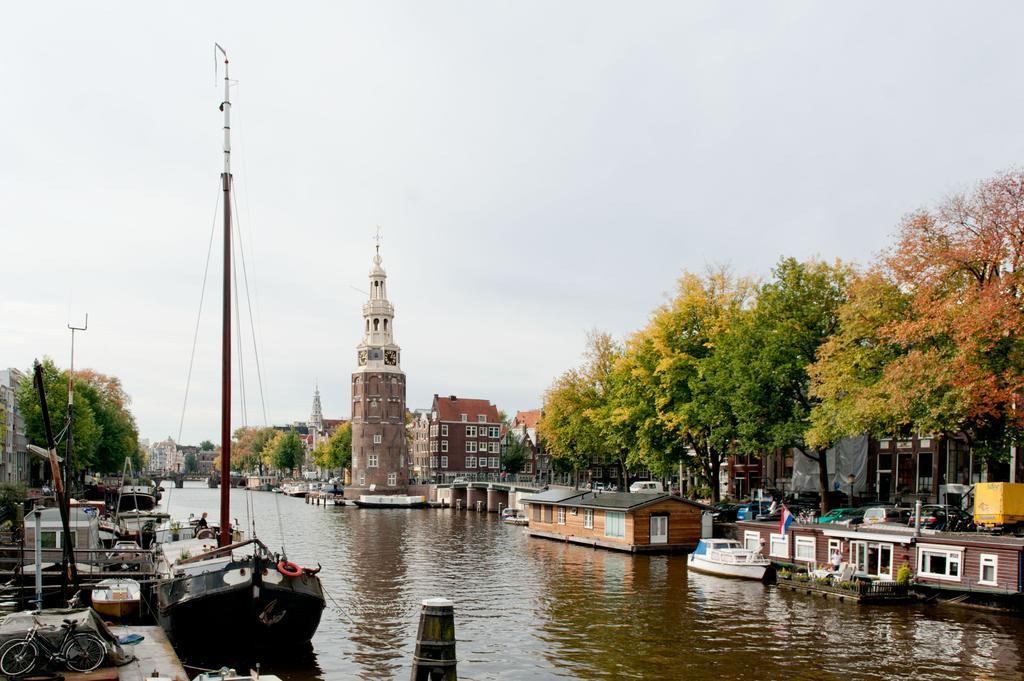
{"type": "Point", "coordinates": [335, 453]}
{"type": "Point", "coordinates": [87, 432]}
{"type": "Point", "coordinates": [514, 454]}
{"type": "Point", "coordinates": [105, 433]}
{"type": "Point", "coordinates": [579, 421]}
{"type": "Point", "coordinates": [288, 452]}
{"type": "Point", "coordinates": [206, 446]}
{"type": "Point", "coordinates": [119, 437]}
{"type": "Point", "coordinates": [767, 355]}
{"type": "Point", "coordinates": [191, 463]}
{"type": "Point", "coordinates": [669, 379]}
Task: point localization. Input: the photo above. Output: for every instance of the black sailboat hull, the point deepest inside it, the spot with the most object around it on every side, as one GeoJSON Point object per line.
{"type": "Point", "coordinates": [227, 606]}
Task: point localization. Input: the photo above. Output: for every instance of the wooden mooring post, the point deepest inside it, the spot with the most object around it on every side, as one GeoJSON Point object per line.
{"type": "Point", "coordinates": [434, 659]}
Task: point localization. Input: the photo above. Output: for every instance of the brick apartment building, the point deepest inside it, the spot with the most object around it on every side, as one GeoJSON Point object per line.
{"type": "Point", "coordinates": [464, 437]}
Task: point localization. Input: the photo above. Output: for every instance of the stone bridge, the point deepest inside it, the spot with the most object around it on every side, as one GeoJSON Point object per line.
{"type": "Point", "coordinates": [481, 496]}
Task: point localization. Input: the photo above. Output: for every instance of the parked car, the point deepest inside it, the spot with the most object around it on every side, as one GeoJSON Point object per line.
{"type": "Point", "coordinates": [724, 512]}
{"type": "Point", "coordinates": [944, 519]}
{"type": "Point", "coordinates": [751, 510]}
{"type": "Point", "coordinates": [843, 516]}
{"type": "Point", "coordinates": [646, 486]}
{"type": "Point", "coordinates": [886, 514]}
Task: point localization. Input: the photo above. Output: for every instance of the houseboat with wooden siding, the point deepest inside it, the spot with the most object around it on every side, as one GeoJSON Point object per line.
{"type": "Point", "coordinates": [634, 522]}
{"type": "Point", "coordinates": [985, 568]}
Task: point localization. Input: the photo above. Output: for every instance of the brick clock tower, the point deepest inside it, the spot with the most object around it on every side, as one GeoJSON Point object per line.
{"type": "Point", "coordinates": [380, 454]}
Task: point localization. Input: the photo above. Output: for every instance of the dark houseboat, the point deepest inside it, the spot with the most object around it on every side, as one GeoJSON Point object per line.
{"type": "Point", "coordinates": [214, 587]}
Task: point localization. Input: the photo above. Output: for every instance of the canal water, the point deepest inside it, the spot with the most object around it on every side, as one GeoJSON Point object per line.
{"type": "Point", "coordinates": [537, 609]}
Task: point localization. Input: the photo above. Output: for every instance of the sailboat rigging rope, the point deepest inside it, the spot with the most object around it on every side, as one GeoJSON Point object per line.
{"type": "Point", "coordinates": [280, 525]}
{"type": "Point", "coordinates": [257, 343]}
{"type": "Point", "coordinates": [355, 625]}
{"type": "Point", "coordinates": [238, 336]}
{"type": "Point", "coordinates": [199, 315]}
{"type": "Point", "coordinates": [252, 323]}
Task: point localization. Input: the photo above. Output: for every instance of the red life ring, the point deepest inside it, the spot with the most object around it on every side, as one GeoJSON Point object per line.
{"type": "Point", "coordinates": [289, 569]}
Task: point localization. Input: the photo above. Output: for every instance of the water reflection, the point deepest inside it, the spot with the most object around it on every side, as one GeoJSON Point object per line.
{"type": "Point", "coordinates": [538, 609]}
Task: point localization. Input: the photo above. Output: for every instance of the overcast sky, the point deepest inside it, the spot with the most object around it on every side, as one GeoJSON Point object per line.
{"type": "Point", "coordinates": [538, 169]}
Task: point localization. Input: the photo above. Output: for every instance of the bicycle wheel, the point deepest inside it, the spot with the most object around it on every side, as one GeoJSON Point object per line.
{"type": "Point", "coordinates": [18, 659]}
{"type": "Point", "coordinates": [84, 652]}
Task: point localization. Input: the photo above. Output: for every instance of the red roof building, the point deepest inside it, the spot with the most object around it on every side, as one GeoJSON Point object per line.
{"type": "Point", "coordinates": [464, 437]}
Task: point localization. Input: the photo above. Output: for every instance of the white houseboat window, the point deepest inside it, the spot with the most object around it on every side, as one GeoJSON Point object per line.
{"type": "Point", "coordinates": [989, 569]}
{"type": "Point", "coordinates": [752, 540]}
{"type": "Point", "coordinates": [872, 558]}
{"type": "Point", "coordinates": [588, 518]}
{"type": "Point", "coordinates": [779, 545]}
{"type": "Point", "coordinates": [561, 515]}
{"type": "Point", "coordinates": [940, 563]}
{"type": "Point", "coordinates": [614, 524]}
{"type": "Point", "coordinates": [835, 546]}
{"type": "Point", "coordinates": [805, 549]}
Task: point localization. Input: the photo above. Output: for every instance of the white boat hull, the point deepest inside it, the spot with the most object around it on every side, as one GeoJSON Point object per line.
{"type": "Point", "coordinates": [738, 570]}
{"type": "Point", "coordinates": [390, 501]}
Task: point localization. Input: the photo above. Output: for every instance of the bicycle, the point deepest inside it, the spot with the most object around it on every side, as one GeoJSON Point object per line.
{"type": "Point", "coordinates": [78, 651]}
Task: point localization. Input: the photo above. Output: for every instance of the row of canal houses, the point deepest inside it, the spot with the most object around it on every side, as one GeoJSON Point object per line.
{"type": "Point", "coordinates": [983, 566]}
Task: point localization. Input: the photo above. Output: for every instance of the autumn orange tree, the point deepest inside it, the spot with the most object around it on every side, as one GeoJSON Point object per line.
{"type": "Point", "coordinates": [931, 340]}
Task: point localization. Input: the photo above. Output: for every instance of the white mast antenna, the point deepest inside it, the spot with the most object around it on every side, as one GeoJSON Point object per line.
{"type": "Point", "coordinates": [225, 106]}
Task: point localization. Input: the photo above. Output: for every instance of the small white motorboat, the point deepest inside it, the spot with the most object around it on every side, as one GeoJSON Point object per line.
{"type": "Point", "coordinates": [514, 516]}
{"type": "Point", "coordinates": [117, 599]}
{"type": "Point", "coordinates": [727, 558]}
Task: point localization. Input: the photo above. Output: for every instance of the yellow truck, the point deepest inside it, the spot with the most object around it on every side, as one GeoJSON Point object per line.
{"type": "Point", "coordinates": [999, 506]}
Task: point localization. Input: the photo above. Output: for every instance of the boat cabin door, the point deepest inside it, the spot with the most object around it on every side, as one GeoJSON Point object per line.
{"type": "Point", "coordinates": [659, 529]}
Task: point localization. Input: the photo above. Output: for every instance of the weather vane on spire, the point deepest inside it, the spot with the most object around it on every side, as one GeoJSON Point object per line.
{"type": "Point", "coordinates": [378, 238]}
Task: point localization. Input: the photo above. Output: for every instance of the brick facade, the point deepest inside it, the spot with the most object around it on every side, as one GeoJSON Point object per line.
{"type": "Point", "coordinates": [464, 437]}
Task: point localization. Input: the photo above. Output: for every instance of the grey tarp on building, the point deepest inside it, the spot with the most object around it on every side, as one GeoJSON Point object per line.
{"type": "Point", "coordinates": [850, 455]}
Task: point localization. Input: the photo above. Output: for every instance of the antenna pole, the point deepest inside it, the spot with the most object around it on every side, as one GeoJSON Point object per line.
{"type": "Point", "coordinates": [71, 414]}
{"type": "Point", "coordinates": [225, 388]}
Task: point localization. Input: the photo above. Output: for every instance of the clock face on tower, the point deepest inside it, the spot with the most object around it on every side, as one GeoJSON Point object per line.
{"type": "Point", "coordinates": [362, 358]}
{"type": "Point", "coordinates": [391, 357]}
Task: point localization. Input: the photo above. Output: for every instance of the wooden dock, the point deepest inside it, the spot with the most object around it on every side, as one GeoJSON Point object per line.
{"type": "Point", "coordinates": [325, 498]}
{"type": "Point", "coordinates": [154, 657]}
{"type": "Point", "coordinates": [856, 592]}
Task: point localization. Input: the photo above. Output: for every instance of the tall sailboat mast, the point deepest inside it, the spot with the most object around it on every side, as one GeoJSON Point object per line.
{"type": "Point", "coordinates": [225, 369]}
